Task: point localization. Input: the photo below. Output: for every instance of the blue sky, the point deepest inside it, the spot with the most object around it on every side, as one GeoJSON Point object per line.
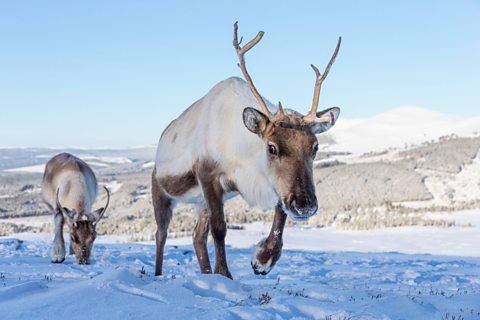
{"type": "Point", "coordinates": [115, 73]}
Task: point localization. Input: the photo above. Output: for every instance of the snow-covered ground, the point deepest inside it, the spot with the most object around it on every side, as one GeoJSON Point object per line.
{"type": "Point", "coordinates": [403, 273]}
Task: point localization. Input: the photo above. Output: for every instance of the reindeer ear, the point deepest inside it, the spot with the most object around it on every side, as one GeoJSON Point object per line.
{"type": "Point", "coordinates": [254, 120]}
{"type": "Point", "coordinates": [71, 215]}
{"type": "Point", "coordinates": [325, 120]}
{"type": "Point", "coordinates": [98, 214]}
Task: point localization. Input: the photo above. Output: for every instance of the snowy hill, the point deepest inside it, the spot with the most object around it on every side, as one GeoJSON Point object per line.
{"type": "Point", "coordinates": [398, 128]}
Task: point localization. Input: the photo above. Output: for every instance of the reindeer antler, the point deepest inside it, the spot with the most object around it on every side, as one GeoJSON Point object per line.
{"type": "Point", "coordinates": [59, 205]}
{"type": "Point", "coordinates": [311, 116]}
{"type": "Point", "coordinates": [241, 52]}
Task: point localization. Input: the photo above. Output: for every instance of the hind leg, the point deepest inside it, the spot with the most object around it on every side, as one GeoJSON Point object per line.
{"type": "Point", "coordinates": [162, 207]}
{"type": "Point", "coordinates": [200, 237]}
{"type": "Point", "coordinates": [213, 193]}
{"type": "Point", "coordinates": [58, 251]}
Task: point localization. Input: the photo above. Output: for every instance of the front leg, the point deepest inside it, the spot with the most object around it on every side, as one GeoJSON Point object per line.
{"type": "Point", "coordinates": [58, 250]}
{"type": "Point", "coordinates": [268, 250]}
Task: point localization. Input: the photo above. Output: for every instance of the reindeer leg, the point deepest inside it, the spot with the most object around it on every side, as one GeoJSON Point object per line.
{"type": "Point", "coordinates": [200, 236]}
{"type": "Point", "coordinates": [268, 251]}
{"type": "Point", "coordinates": [219, 232]}
{"type": "Point", "coordinates": [213, 193]}
{"type": "Point", "coordinates": [162, 206]}
{"type": "Point", "coordinates": [58, 251]}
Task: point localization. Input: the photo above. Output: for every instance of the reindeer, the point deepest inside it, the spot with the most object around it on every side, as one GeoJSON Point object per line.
{"type": "Point", "coordinates": [69, 189]}
{"type": "Point", "coordinates": [232, 141]}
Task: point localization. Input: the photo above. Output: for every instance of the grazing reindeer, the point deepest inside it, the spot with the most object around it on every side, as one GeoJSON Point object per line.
{"type": "Point", "coordinates": [69, 189]}
{"type": "Point", "coordinates": [229, 142]}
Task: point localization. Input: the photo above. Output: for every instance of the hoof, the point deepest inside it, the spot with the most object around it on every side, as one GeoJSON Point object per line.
{"type": "Point", "coordinates": [264, 258]}
{"type": "Point", "coordinates": [225, 273]}
{"type": "Point", "coordinates": [58, 252]}
{"type": "Point", "coordinates": [262, 269]}
{"type": "Point", "coordinates": [58, 260]}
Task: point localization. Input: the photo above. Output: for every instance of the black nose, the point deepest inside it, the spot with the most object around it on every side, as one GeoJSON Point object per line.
{"type": "Point", "coordinates": [304, 204]}
{"type": "Point", "coordinates": [308, 211]}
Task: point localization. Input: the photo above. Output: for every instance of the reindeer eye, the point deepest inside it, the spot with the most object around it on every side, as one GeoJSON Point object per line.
{"type": "Point", "coordinates": [272, 149]}
{"type": "Point", "coordinates": [315, 149]}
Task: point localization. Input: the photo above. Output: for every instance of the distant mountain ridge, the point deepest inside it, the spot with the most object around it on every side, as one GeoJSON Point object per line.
{"type": "Point", "coordinates": [397, 128]}
{"type": "Point", "coordinates": [11, 158]}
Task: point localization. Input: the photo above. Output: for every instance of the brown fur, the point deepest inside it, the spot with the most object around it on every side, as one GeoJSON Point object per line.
{"type": "Point", "coordinates": [66, 162]}
{"type": "Point", "coordinates": [163, 215]}
{"type": "Point", "coordinates": [200, 236]}
{"type": "Point", "coordinates": [207, 174]}
{"type": "Point", "coordinates": [230, 186]}
{"type": "Point", "coordinates": [294, 160]}
{"type": "Point", "coordinates": [82, 236]}
{"type": "Point", "coordinates": [178, 185]}
{"type": "Point", "coordinates": [82, 233]}
{"type": "Point", "coordinates": [271, 248]}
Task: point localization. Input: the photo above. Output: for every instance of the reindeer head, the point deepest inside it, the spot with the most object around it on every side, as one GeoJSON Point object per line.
{"type": "Point", "coordinates": [290, 141]}
{"type": "Point", "coordinates": [82, 232]}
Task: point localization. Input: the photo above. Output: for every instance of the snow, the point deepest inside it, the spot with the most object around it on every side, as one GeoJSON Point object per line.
{"type": "Point", "coordinates": [40, 168]}
{"type": "Point", "coordinates": [322, 274]}
{"type": "Point", "coordinates": [97, 164]}
{"type": "Point", "coordinates": [461, 218]}
{"type": "Point", "coordinates": [397, 128]}
{"type": "Point", "coordinates": [113, 186]}
{"type": "Point", "coordinates": [409, 240]}
{"type": "Point", "coordinates": [91, 160]}
{"type": "Point", "coordinates": [110, 160]}
{"type": "Point", "coordinates": [149, 164]}
{"type": "Point", "coordinates": [460, 187]}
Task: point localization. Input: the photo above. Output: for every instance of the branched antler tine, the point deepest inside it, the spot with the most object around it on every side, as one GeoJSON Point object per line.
{"type": "Point", "coordinates": [320, 78]}
{"type": "Point", "coordinates": [241, 52]}
{"type": "Point", "coordinates": [316, 92]}
{"type": "Point", "coordinates": [236, 45]}
{"type": "Point", "coordinates": [317, 72]}
{"type": "Point", "coordinates": [280, 109]}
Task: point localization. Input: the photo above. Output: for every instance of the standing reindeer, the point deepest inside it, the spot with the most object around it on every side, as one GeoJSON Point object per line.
{"type": "Point", "coordinates": [229, 142]}
{"type": "Point", "coordinates": [69, 189]}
